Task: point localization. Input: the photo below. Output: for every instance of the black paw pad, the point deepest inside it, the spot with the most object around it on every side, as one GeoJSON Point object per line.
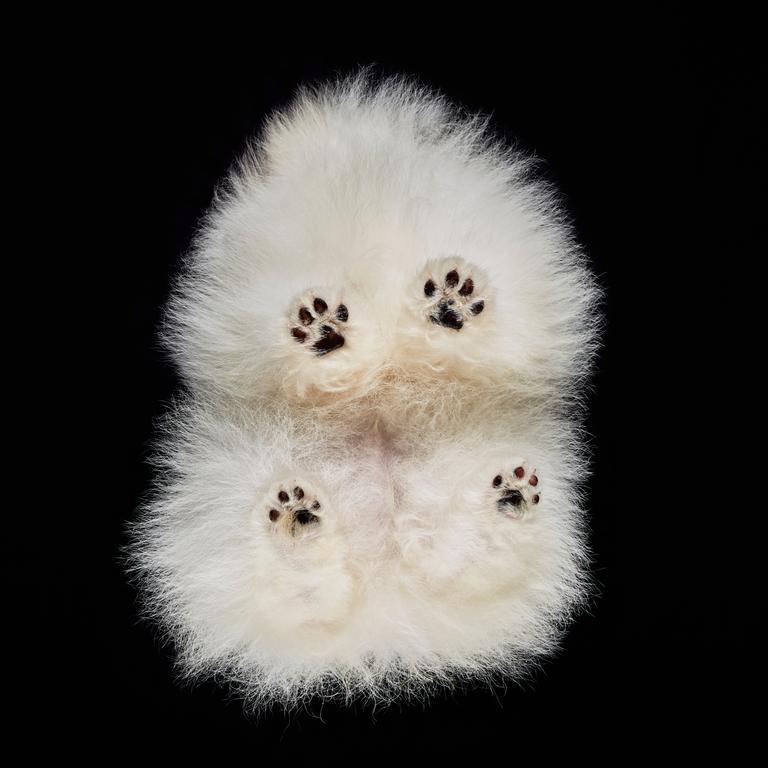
{"type": "Point", "coordinates": [295, 508]}
{"type": "Point", "coordinates": [511, 498]}
{"type": "Point", "coordinates": [514, 492]}
{"type": "Point", "coordinates": [329, 341]}
{"type": "Point", "coordinates": [304, 517]}
{"type": "Point", "coordinates": [448, 317]}
{"type": "Point", "coordinates": [452, 304]}
{"type": "Point", "coordinates": [324, 336]}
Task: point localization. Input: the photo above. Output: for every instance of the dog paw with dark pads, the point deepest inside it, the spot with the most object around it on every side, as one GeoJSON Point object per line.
{"type": "Point", "coordinates": [453, 301]}
{"type": "Point", "coordinates": [319, 328]}
{"type": "Point", "coordinates": [294, 509]}
{"type": "Point", "coordinates": [517, 491]}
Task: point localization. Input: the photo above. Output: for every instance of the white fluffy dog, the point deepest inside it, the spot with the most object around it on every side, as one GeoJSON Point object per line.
{"type": "Point", "coordinates": [372, 485]}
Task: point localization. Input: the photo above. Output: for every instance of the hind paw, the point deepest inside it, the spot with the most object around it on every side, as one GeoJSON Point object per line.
{"type": "Point", "coordinates": [453, 295]}
{"type": "Point", "coordinates": [516, 492]}
{"type": "Point", "coordinates": [294, 511]}
{"type": "Point", "coordinates": [319, 327]}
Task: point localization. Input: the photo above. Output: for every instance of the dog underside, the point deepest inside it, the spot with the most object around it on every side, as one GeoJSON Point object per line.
{"type": "Point", "coordinates": [371, 484]}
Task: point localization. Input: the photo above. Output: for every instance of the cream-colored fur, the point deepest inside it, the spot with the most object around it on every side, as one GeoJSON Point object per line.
{"type": "Point", "coordinates": [400, 509]}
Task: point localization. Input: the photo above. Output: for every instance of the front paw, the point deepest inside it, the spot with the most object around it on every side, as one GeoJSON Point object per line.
{"type": "Point", "coordinates": [452, 294]}
{"type": "Point", "coordinates": [319, 328]}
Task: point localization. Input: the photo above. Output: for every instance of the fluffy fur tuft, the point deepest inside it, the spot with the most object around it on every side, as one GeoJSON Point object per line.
{"type": "Point", "coordinates": [372, 485]}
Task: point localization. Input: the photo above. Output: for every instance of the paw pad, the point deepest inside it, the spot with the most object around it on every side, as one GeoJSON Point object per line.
{"type": "Point", "coordinates": [514, 492]}
{"type": "Point", "coordinates": [453, 301]}
{"type": "Point", "coordinates": [319, 328]}
{"type": "Point", "coordinates": [294, 510]}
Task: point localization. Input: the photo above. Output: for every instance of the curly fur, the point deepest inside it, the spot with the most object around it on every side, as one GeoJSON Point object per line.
{"type": "Point", "coordinates": [378, 214]}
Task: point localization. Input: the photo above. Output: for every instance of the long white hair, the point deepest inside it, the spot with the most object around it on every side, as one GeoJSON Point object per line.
{"type": "Point", "coordinates": [372, 482]}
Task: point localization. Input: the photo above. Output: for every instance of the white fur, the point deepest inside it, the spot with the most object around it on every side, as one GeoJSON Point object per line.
{"type": "Point", "coordinates": [414, 575]}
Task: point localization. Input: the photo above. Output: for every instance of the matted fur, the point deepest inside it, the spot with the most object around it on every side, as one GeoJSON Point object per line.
{"type": "Point", "coordinates": [377, 202]}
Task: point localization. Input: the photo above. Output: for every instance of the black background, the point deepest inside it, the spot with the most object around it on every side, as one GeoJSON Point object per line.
{"type": "Point", "coordinates": [629, 121]}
